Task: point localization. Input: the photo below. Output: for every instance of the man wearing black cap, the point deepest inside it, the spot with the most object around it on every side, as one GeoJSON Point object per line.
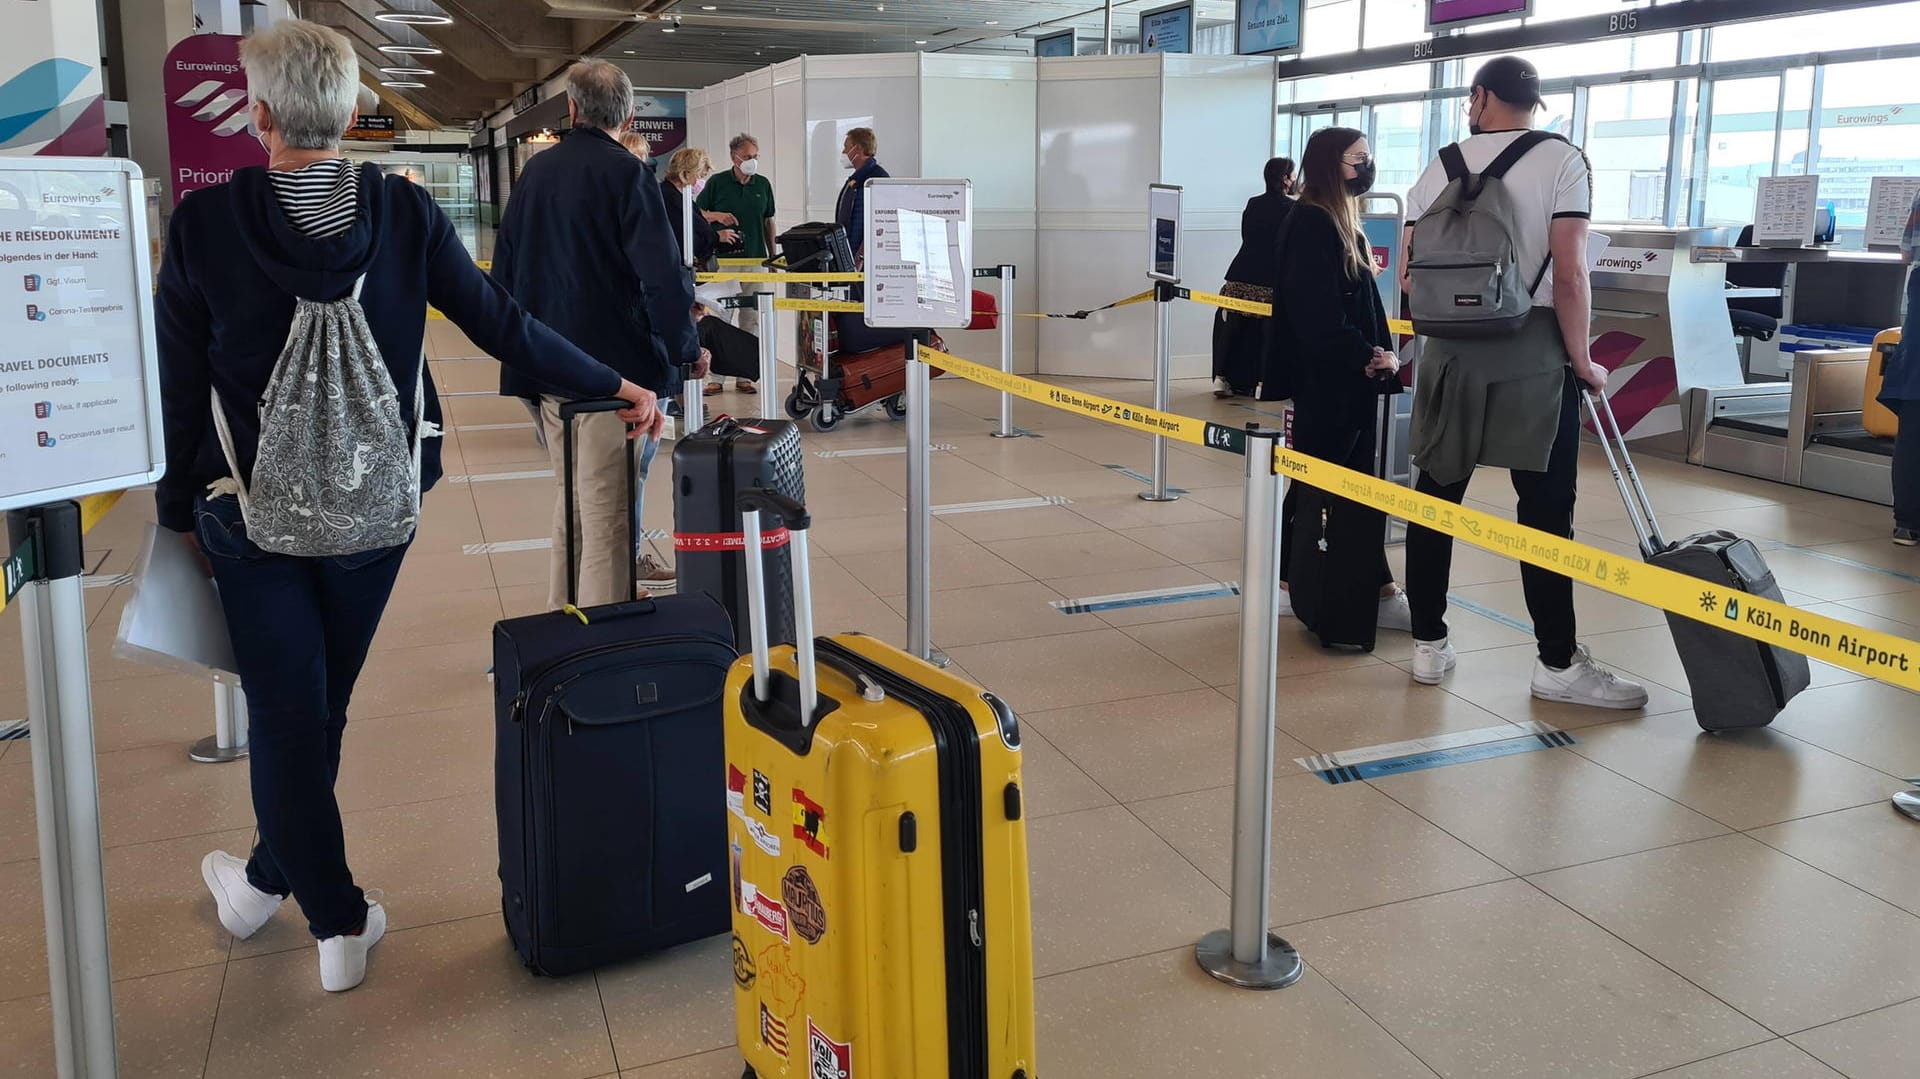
{"type": "Point", "coordinates": [1513, 401]}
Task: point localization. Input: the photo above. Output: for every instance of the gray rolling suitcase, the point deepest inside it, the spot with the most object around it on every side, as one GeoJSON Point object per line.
{"type": "Point", "coordinates": [1736, 682]}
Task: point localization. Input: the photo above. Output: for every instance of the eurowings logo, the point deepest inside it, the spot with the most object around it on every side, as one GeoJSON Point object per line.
{"type": "Point", "coordinates": [213, 101]}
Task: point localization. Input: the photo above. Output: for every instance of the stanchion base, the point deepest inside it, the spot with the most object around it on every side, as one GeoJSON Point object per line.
{"type": "Point", "coordinates": [1282, 968]}
{"type": "Point", "coordinates": [1149, 496]}
{"type": "Point", "coordinates": [1908, 802]}
{"type": "Point", "coordinates": [940, 659]}
{"type": "Point", "coordinates": [1010, 434]}
{"type": "Point", "coordinates": [208, 751]}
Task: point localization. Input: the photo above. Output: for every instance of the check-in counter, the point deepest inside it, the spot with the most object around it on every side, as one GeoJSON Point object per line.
{"type": "Point", "coordinates": [1819, 285]}
{"type": "Point", "coordinates": [1660, 323]}
{"type": "Point", "coordinates": [1806, 431]}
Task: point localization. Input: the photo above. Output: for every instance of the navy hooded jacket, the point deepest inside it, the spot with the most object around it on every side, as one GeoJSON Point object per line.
{"type": "Point", "coordinates": [586, 247]}
{"type": "Point", "coordinates": [233, 266]}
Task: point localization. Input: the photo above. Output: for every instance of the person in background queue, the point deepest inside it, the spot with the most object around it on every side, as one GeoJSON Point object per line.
{"type": "Point", "coordinates": [1900, 391]}
{"type": "Point", "coordinates": [1513, 402]}
{"type": "Point", "coordinates": [850, 212]}
{"type": "Point", "coordinates": [585, 244]}
{"type": "Point", "coordinates": [310, 225]}
{"type": "Point", "coordinates": [1329, 337]}
{"type": "Point", "coordinates": [638, 146]}
{"type": "Point", "coordinates": [1239, 340]}
{"type": "Point", "coordinates": [687, 172]}
{"type": "Point", "coordinates": [743, 199]}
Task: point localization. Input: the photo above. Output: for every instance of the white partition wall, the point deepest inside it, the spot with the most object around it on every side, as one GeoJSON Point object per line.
{"type": "Point", "coordinates": [1108, 127]}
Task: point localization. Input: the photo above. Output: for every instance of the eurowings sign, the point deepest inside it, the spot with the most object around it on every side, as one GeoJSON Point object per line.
{"type": "Point", "coordinates": [207, 130]}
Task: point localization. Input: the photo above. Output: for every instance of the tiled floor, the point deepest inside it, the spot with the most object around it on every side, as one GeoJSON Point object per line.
{"type": "Point", "coordinates": [1646, 901]}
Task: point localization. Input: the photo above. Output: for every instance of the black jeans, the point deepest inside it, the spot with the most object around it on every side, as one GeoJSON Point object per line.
{"type": "Point", "coordinates": [1341, 443]}
{"type": "Point", "coordinates": [301, 628]}
{"type": "Point", "coordinates": [1906, 466]}
{"type": "Point", "coordinates": [1546, 503]}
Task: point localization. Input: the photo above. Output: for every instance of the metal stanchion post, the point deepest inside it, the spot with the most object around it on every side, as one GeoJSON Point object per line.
{"type": "Point", "coordinates": [686, 229]}
{"type": "Point", "coordinates": [1247, 954]}
{"type": "Point", "coordinates": [229, 739]}
{"type": "Point", "coordinates": [1162, 388]}
{"type": "Point", "coordinates": [769, 357]}
{"type": "Point", "coordinates": [66, 791]}
{"type": "Point", "coordinates": [1006, 429]}
{"type": "Point", "coordinates": [920, 509]}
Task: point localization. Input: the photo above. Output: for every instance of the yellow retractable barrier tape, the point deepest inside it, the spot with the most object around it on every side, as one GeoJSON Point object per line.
{"type": "Point", "coordinates": [1138, 297]}
{"type": "Point", "coordinates": [782, 304]}
{"type": "Point", "coordinates": [1877, 655]}
{"type": "Point", "coordinates": [739, 262]}
{"type": "Point", "coordinates": [796, 278]}
{"type": "Point", "coordinates": [1120, 413]}
{"type": "Point", "coordinates": [1400, 326]}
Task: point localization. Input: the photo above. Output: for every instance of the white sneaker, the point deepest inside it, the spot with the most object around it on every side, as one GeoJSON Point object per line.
{"type": "Point", "coordinates": [343, 959]}
{"type": "Point", "coordinates": [1395, 614]}
{"type": "Point", "coordinates": [1285, 607]}
{"type": "Point", "coordinates": [1432, 660]}
{"type": "Point", "coordinates": [1587, 683]}
{"type": "Point", "coordinates": [243, 908]}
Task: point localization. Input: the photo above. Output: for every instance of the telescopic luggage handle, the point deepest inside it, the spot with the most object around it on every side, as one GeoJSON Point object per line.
{"type": "Point", "coordinates": [1639, 506]}
{"type": "Point", "coordinates": [752, 503]}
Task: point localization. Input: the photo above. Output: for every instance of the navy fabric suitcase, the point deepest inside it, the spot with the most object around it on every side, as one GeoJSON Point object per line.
{"type": "Point", "coordinates": [1333, 574]}
{"type": "Point", "coordinates": [711, 467]}
{"type": "Point", "coordinates": [608, 767]}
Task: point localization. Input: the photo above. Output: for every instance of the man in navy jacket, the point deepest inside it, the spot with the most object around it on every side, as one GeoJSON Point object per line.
{"type": "Point", "coordinates": [857, 153]}
{"type": "Point", "coordinates": [586, 247]}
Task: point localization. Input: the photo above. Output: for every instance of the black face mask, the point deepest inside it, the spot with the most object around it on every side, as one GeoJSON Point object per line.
{"type": "Point", "coordinates": [1362, 181]}
{"type": "Point", "coordinates": [1473, 125]}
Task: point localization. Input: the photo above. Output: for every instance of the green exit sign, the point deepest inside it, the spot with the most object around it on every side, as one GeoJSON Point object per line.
{"type": "Point", "coordinates": [21, 567]}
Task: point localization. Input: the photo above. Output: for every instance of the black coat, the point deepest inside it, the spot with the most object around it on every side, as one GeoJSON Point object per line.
{"type": "Point", "coordinates": [1257, 262]}
{"type": "Point", "coordinates": [672, 198]}
{"type": "Point", "coordinates": [1326, 326]}
{"type": "Point", "coordinates": [586, 248]}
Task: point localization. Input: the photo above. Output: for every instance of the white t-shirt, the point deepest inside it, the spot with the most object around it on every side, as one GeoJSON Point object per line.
{"type": "Point", "coordinates": [1551, 180]}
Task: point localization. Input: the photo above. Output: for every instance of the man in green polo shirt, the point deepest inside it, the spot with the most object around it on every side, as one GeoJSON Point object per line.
{"type": "Point", "coordinates": [742, 199]}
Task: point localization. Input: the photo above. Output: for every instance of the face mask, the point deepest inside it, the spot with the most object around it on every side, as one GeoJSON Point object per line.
{"type": "Point", "coordinates": [699, 186]}
{"type": "Point", "coordinates": [1362, 181]}
{"type": "Point", "coordinates": [750, 167]}
{"type": "Point", "coordinates": [1473, 125]}
{"type": "Point", "coordinates": [846, 162]}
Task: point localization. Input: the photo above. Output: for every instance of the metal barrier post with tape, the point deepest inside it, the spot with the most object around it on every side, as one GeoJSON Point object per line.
{"type": "Point", "coordinates": [1164, 293]}
{"type": "Point", "coordinates": [1247, 954]}
{"type": "Point", "coordinates": [769, 356]}
{"type": "Point", "coordinates": [228, 742]}
{"type": "Point", "coordinates": [920, 508]}
{"type": "Point", "coordinates": [1005, 273]}
{"type": "Point", "coordinates": [66, 786]}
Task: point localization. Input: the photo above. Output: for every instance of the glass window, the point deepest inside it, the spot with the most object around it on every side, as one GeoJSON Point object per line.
{"type": "Point", "coordinates": [1395, 137]}
{"type": "Point", "coordinates": [1401, 79]}
{"type": "Point", "coordinates": [1626, 143]}
{"type": "Point", "coordinates": [1796, 121]}
{"type": "Point", "coordinates": [1869, 125]}
{"type": "Point", "coordinates": [1741, 119]}
{"type": "Point", "coordinates": [1328, 27]}
{"type": "Point", "coordinates": [1794, 36]}
{"type": "Point", "coordinates": [1602, 57]}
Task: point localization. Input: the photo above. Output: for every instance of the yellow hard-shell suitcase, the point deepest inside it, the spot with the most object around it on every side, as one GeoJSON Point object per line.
{"type": "Point", "coordinates": [1877, 418]}
{"type": "Point", "coordinates": [882, 920]}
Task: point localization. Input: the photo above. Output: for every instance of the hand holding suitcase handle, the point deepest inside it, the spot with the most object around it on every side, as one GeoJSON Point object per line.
{"type": "Point", "coordinates": [752, 503]}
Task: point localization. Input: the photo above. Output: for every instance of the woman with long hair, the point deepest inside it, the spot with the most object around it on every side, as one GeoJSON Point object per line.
{"type": "Point", "coordinates": [1329, 333]}
{"type": "Point", "coordinates": [1239, 341]}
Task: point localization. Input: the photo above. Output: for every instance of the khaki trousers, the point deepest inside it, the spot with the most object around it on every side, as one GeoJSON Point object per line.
{"type": "Point", "coordinates": [602, 525]}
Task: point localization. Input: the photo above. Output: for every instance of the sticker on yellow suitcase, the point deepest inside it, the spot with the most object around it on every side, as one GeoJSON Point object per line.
{"type": "Point", "coordinates": [804, 909]}
{"type": "Point", "coordinates": [810, 823]}
{"type": "Point", "coordinates": [826, 1058]}
{"type": "Point", "coordinates": [744, 971]}
{"type": "Point", "coordinates": [763, 837]}
{"type": "Point", "coordinates": [765, 909]}
{"type": "Point", "coordinates": [773, 1032]}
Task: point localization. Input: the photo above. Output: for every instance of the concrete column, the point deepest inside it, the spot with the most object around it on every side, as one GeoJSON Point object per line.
{"type": "Point", "coordinates": [148, 29]}
{"type": "Point", "coordinates": [50, 80]}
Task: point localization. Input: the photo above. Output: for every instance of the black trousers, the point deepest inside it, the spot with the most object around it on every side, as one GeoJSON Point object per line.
{"type": "Point", "coordinates": [1342, 442]}
{"type": "Point", "coordinates": [1546, 503]}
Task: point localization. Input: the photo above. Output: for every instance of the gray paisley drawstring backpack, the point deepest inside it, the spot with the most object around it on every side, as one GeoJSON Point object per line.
{"type": "Point", "coordinates": [337, 471]}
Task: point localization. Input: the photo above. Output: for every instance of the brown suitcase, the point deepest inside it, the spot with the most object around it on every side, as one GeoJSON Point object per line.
{"type": "Point", "coordinates": [866, 377]}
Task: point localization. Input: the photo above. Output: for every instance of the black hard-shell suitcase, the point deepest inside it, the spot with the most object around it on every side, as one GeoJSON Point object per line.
{"type": "Point", "coordinates": [1333, 577]}
{"type": "Point", "coordinates": [607, 751]}
{"type": "Point", "coordinates": [711, 467]}
{"type": "Point", "coordinates": [1735, 681]}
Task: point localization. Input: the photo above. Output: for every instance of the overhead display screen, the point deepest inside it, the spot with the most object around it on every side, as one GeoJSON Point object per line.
{"type": "Point", "coordinates": [1167, 29]}
{"type": "Point", "coordinates": [1446, 14]}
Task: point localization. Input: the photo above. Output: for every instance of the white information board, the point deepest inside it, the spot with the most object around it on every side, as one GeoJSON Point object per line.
{"type": "Point", "coordinates": [79, 379]}
{"type": "Point", "coordinates": [1784, 214]}
{"type": "Point", "coordinates": [1888, 201]}
{"type": "Point", "coordinates": [1163, 232]}
{"type": "Point", "coordinates": [919, 252]}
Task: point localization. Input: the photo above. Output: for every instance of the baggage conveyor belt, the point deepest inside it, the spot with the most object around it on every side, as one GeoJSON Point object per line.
{"type": "Point", "coordinates": [1806, 432]}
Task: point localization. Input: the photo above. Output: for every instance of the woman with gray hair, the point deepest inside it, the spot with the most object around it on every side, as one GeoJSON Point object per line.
{"type": "Point", "coordinates": [314, 236]}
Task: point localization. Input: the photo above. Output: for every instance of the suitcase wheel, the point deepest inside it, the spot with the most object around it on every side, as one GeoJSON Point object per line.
{"type": "Point", "coordinates": [897, 406]}
{"type": "Point", "coordinates": [749, 1073]}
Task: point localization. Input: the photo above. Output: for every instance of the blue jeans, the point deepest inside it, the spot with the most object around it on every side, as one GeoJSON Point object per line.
{"type": "Point", "coordinates": [301, 628]}
{"type": "Point", "coordinates": [1906, 467]}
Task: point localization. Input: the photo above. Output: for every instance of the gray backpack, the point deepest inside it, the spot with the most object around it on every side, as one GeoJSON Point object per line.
{"type": "Point", "coordinates": [337, 471]}
{"type": "Point", "coordinates": [1461, 268]}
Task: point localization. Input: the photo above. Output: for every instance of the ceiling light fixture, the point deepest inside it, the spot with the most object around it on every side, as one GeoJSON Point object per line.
{"type": "Point", "coordinates": [920, 42]}
{"type": "Point", "coordinates": [403, 84]}
{"type": "Point", "coordinates": [709, 7]}
{"type": "Point", "coordinates": [993, 22]}
{"type": "Point", "coordinates": [406, 71]}
{"type": "Point", "coordinates": [413, 18]}
{"type": "Point", "coordinates": [629, 52]}
{"type": "Point", "coordinates": [410, 50]}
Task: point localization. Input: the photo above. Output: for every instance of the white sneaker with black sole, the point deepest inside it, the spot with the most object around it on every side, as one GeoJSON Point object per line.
{"type": "Point", "coordinates": [1432, 660]}
{"type": "Point", "coordinates": [1587, 683]}
{"type": "Point", "coordinates": [343, 959]}
{"type": "Point", "coordinates": [243, 908]}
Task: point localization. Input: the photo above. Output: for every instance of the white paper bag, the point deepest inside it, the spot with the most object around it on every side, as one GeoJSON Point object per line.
{"type": "Point", "coordinates": [174, 619]}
